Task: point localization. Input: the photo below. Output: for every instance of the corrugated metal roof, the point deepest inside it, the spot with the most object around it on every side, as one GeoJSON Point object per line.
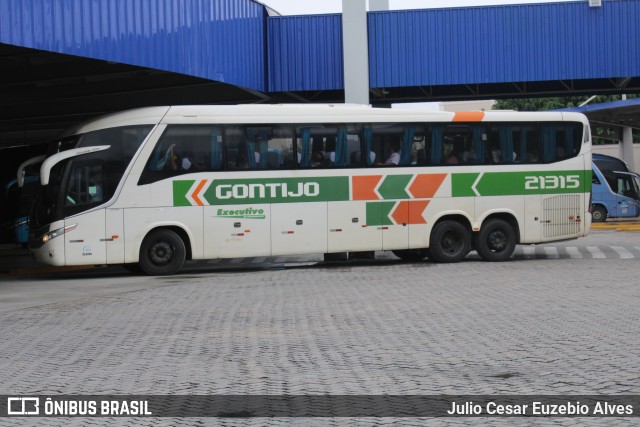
{"type": "Point", "coordinates": [305, 53]}
{"type": "Point", "coordinates": [516, 43]}
{"type": "Point", "coordinates": [457, 46]}
{"type": "Point", "coordinates": [220, 40]}
{"type": "Point", "coordinates": [226, 40]}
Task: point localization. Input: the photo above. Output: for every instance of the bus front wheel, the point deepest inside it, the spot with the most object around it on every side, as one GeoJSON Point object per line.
{"type": "Point", "coordinates": [496, 240]}
{"type": "Point", "coordinates": [598, 213]}
{"type": "Point", "coordinates": [162, 253]}
{"type": "Point", "coordinates": [450, 241]}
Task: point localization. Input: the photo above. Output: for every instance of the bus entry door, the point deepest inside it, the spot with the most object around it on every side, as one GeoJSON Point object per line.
{"type": "Point", "coordinates": [627, 197]}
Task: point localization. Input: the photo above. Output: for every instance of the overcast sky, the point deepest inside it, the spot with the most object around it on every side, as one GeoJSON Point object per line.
{"type": "Point", "coordinates": [304, 7]}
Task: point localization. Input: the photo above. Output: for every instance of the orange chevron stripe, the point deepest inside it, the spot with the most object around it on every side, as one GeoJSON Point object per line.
{"type": "Point", "coordinates": [471, 116]}
{"type": "Point", "coordinates": [363, 187]}
{"type": "Point", "coordinates": [197, 191]}
{"type": "Point", "coordinates": [409, 212]}
{"type": "Point", "coordinates": [416, 208]}
{"type": "Point", "coordinates": [425, 186]}
{"type": "Point", "coordinates": [401, 213]}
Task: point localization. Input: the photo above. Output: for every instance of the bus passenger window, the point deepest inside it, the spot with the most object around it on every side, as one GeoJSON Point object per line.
{"type": "Point", "coordinates": [395, 144]}
{"type": "Point", "coordinates": [259, 147]}
{"type": "Point", "coordinates": [457, 144]}
{"type": "Point", "coordinates": [327, 146]}
{"type": "Point", "coordinates": [560, 142]}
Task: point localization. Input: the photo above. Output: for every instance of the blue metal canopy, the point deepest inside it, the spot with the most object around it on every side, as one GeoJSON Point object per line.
{"type": "Point", "coordinates": [65, 60]}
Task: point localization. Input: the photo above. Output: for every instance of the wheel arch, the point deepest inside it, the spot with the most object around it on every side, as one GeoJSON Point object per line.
{"type": "Point", "coordinates": [509, 217]}
{"type": "Point", "coordinates": [460, 217]}
{"type": "Point", "coordinates": [177, 228]}
{"type": "Point", "coordinates": [604, 207]}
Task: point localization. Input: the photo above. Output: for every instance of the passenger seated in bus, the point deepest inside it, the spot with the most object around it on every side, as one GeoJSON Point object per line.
{"type": "Point", "coordinates": [165, 162]}
{"type": "Point", "coordinates": [468, 156]}
{"type": "Point", "coordinates": [174, 160]}
{"type": "Point", "coordinates": [180, 161]}
{"type": "Point", "coordinates": [532, 156]}
{"type": "Point", "coordinates": [421, 157]}
{"type": "Point", "coordinates": [330, 149]}
{"type": "Point", "coordinates": [452, 159]}
{"type": "Point", "coordinates": [318, 160]}
{"type": "Point", "coordinates": [355, 159]}
{"type": "Point", "coordinates": [496, 155]}
{"type": "Point", "coordinates": [241, 160]}
{"type": "Point", "coordinates": [95, 190]}
{"type": "Point", "coordinates": [394, 158]}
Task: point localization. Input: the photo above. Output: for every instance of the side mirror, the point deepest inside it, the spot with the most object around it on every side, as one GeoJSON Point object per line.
{"type": "Point", "coordinates": [23, 166]}
{"type": "Point", "coordinates": [50, 162]}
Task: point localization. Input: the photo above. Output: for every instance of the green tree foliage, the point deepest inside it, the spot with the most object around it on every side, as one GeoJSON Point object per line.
{"type": "Point", "coordinates": [545, 104]}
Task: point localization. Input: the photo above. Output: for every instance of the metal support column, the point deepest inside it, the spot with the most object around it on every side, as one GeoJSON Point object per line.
{"type": "Point", "coordinates": [356, 51]}
{"type": "Point", "coordinates": [626, 148]}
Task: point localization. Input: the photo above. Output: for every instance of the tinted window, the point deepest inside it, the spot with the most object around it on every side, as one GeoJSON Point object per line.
{"type": "Point", "coordinates": [395, 144]}
{"type": "Point", "coordinates": [328, 146]}
{"type": "Point", "coordinates": [92, 179]}
{"type": "Point", "coordinates": [457, 144]}
{"type": "Point", "coordinates": [560, 141]}
{"type": "Point", "coordinates": [514, 143]}
{"type": "Point", "coordinates": [259, 147]}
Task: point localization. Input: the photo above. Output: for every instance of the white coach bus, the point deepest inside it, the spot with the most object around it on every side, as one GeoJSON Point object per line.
{"type": "Point", "coordinates": [153, 187]}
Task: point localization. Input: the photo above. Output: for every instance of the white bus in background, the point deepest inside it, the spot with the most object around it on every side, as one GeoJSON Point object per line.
{"type": "Point", "coordinates": [156, 186]}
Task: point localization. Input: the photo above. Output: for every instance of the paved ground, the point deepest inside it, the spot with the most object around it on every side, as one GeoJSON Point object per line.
{"type": "Point", "coordinates": [561, 319]}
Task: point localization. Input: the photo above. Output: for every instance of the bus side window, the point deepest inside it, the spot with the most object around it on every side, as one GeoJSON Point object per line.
{"type": "Point", "coordinates": [394, 144]}
{"type": "Point", "coordinates": [328, 146]}
{"type": "Point", "coordinates": [527, 144]}
{"type": "Point", "coordinates": [560, 142]}
{"type": "Point", "coordinates": [236, 148]}
{"type": "Point", "coordinates": [502, 143]}
{"type": "Point", "coordinates": [184, 149]}
{"type": "Point", "coordinates": [454, 144]}
{"type": "Point", "coordinates": [346, 142]}
{"type": "Point", "coordinates": [280, 147]}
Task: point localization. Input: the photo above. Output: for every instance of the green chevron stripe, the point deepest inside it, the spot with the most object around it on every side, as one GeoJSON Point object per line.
{"type": "Point", "coordinates": [378, 213]}
{"type": "Point", "coordinates": [394, 187]}
{"type": "Point", "coordinates": [180, 190]}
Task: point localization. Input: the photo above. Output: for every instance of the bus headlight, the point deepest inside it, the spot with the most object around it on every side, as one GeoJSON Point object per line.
{"type": "Point", "coordinates": [59, 232]}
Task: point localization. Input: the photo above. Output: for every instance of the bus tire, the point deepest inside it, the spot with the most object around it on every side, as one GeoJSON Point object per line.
{"type": "Point", "coordinates": [598, 213]}
{"type": "Point", "coordinates": [450, 241]}
{"type": "Point", "coordinates": [496, 240]}
{"type": "Point", "coordinates": [412, 255]}
{"type": "Point", "coordinates": [162, 253]}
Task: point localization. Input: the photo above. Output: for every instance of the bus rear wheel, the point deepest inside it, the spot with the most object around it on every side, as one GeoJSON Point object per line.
{"type": "Point", "coordinates": [412, 255]}
{"type": "Point", "coordinates": [450, 241]}
{"type": "Point", "coordinates": [598, 213]}
{"type": "Point", "coordinates": [496, 240]}
{"type": "Point", "coordinates": [162, 253]}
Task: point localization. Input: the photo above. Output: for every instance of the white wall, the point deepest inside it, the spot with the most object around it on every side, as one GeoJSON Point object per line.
{"type": "Point", "coordinates": [615, 150]}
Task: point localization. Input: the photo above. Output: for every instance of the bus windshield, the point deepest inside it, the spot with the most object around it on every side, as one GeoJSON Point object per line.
{"type": "Point", "coordinates": [83, 182]}
{"type": "Point", "coordinates": [626, 185]}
